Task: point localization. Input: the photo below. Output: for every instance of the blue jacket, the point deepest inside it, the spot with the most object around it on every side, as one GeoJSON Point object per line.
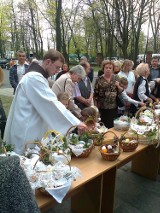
{"type": "Point", "coordinates": [13, 77]}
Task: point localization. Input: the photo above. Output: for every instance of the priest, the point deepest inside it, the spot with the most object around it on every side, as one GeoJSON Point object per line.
{"type": "Point", "coordinates": [35, 108]}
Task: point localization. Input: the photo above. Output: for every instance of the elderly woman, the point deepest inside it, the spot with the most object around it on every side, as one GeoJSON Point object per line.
{"type": "Point", "coordinates": [127, 72]}
{"type": "Point", "coordinates": [83, 92]}
{"type": "Point", "coordinates": [105, 94]}
{"type": "Point", "coordinates": [65, 83]}
{"type": "Point", "coordinates": [142, 90]}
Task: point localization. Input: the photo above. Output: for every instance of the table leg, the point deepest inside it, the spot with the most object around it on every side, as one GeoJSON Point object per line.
{"type": "Point", "coordinates": [147, 162]}
{"type": "Point", "coordinates": [107, 205]}
{"type": "Point", "coordinates": [88, 197]}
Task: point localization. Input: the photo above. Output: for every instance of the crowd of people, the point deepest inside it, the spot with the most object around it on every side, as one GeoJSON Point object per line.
{"type": "Point", "coordinates": [38, 106]}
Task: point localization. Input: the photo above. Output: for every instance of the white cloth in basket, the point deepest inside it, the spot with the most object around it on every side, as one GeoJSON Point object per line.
{"type": "Point", "coordinates": [77, 150]}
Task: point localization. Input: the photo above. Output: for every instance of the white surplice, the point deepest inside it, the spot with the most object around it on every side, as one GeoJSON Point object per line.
{"type": "Point", "coordinates": [34, 110]}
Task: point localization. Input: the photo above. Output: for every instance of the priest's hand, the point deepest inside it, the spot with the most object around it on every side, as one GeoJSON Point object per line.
{"type": "Point", "coordinates": [82, 127]}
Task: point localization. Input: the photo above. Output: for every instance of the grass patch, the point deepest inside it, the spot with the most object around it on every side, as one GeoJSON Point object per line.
{"type": "Point", "coordinates": [6, 101]}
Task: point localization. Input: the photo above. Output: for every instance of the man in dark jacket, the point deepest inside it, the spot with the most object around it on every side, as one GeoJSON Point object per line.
{"type": "Point", "coordinates": [18, 70]}
{"type": "Point", "coordinates": [91, 73]}
{"type": "Point", "coordinates": [155, 74]}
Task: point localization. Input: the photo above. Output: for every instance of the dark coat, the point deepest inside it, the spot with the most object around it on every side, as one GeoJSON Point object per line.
{"type": "Point", "coordinates": [13, 77]}
{"type": "Point", "coordinates": [16, 195]}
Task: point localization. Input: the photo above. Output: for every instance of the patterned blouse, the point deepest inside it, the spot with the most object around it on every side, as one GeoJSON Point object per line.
{"type": "Point", "coordinates": [105, 92]}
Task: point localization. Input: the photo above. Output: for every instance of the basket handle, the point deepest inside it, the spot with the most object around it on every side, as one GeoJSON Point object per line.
{"type": "Point", "coordinates": [115, 137]}
{"type": "Point", "coordinates": [68, 131]}
{"type": "Point", "coordinates": [126, 133]}
{"type": "Point", "coordinates": [49, 152]}
{"type": "Point", "coordinates": [111, 132]}
{"type": "Point", "coordinates": [146, 108]}
{"type": "Point", "coordinates": [34, 142]}
{"type": "Point", "coordinates": [52, 131]}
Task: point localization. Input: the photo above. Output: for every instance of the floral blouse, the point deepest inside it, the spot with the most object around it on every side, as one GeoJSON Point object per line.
{"type": "Point", "coordinates": [105, 92]}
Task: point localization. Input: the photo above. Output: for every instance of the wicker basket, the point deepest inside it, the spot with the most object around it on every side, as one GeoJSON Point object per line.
{"type": "Point", "coordinates": [145, 139]}
{"type": "Point", "coordinates": [111, 156]}
{"type": "Point", "coordinates": [142, 109]}
{"type": "Point", "coordinates": [45, 154]}
{"type": "Point", "coordinates": [128, 146]}
{"type": "Point", "coordinates": [113, 140]}
{"type": "Point", "coordinates": [86, 152]}
{"type": "Point", "coordinates": [97, 138]}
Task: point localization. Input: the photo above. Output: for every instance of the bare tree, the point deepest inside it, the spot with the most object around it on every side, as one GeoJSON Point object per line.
{"type": "Point", "coordinates": [155, 23]}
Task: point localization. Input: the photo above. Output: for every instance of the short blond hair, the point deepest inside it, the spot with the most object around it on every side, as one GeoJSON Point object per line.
{"type": "Point", "coordinates": [63, 96]}
{"type": "Point", "coordinates": [127, 62]}
{"type": "Point", "coordinates": [117, 64]}
{"type": "Point", "coordinates": [142, 68]}
{"type": "Point", "coordinates": [90, 112]}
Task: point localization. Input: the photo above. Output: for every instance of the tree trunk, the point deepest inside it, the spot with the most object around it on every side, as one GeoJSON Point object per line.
{"type": "Point", "coordinates": [34, 30]}
{"type": "Point", "coordinates": [58, 25]}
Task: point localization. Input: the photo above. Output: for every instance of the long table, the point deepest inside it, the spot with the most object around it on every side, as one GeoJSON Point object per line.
{"type": "Point", "coordinates": [95, 191]}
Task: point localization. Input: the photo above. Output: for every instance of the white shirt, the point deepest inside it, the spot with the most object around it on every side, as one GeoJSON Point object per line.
{"type": "Point", "coordinates": [131, 80]}
{"type": "Point", "coordinates": [34, 110]}
{"type": "Point", "coordinates": [126, 98]}
{"type": "Point", "coordinates": [20, 71]}
{"type": "Point", "coordinates": [142, 91]}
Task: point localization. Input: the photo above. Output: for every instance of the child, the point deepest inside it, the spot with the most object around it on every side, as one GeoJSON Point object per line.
{"type": "Point", "coordinates": [125, 98]}
{"type": "Point", "coordinates": [64, 99]}
{"type": "Point", "coordinates": [90, 117]}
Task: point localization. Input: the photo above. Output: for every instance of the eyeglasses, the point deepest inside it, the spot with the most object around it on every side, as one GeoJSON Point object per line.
{"type": "Point", "coordinates": [57, 67]}
{"type": "Point", "coordinates": [22, 56]}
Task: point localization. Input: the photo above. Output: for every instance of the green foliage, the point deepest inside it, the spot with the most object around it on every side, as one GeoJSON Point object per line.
{"type": "Point", "coordinates": [65, 144]}
{"type": "Point", "coordinates": [6, 101]}
{"type": "Point", "coordinates": [74, 139]}
{"type": "Point", "coordinates": [8, 147]}
{"type": "Point", "coordinates": [85, 136]}
{"type": "Point", "coordinates": [5, 20]}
